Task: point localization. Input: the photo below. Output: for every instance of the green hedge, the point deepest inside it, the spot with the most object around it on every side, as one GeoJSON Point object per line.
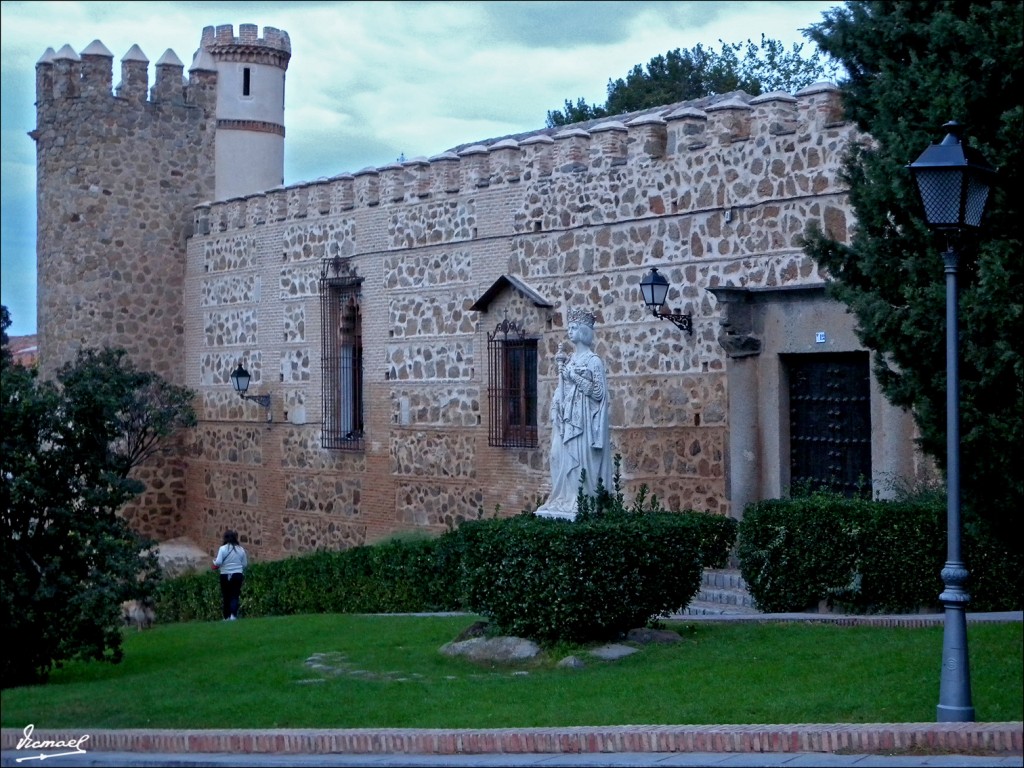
{"type": "Point", "coordinates": [540, 578]}
{"type": "Point", "coordinates": [865, 556]}
{"type": "Point", "coordinates": [555, 581]}
{"type": "Point", "coordinates": [717, 535]}
{"type": "Point", "coordinates": [390, 577]}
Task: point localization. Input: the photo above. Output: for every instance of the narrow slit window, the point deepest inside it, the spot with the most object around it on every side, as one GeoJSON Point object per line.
{"type": "Point", "coordinates": [246, 81]}
{"type": "Point", "coordinates": [342, 363]}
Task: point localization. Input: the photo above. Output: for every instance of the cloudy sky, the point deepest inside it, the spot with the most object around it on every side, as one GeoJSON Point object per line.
{"type": "Point", "coordinates": [369, 81]}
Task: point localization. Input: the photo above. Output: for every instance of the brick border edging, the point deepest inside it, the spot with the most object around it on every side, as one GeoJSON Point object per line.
{"type": "Point", "coordinates": [868, 738]}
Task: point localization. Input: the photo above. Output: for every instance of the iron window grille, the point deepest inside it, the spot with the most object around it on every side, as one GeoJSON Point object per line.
{"type": "Point", "coordinates": [512, 387]}
{"type": "Point", "coordinates": [342, 336]}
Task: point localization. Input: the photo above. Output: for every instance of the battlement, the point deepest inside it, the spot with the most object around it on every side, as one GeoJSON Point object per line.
{"type": "Point", "coordinates": [701, 139]}
{"type": "Point", "coordinates": [67, 75]}
{"type": "Point", "coordinates": [273, 48]}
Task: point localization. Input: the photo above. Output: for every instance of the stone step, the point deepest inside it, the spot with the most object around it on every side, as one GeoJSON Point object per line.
{"type": "Point", "coordinates": [725, 597]}
{"type": "Point", "coordinates": [699, 608]}
{"type": "Point", "coordinates": [723, 591]}
{"type": "Point", "coordinates": [725, 578]}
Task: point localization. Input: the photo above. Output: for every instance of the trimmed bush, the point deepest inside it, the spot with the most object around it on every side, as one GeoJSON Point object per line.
{"type": "Point", "coordinates": [896, 545]}
{"type": "Point", "coordinates": [717, 536]}
{"type": "Point", "coordinates": [191, 597]}
{"type": "Point", "coordinates": [556, 581]}
{"type": "Point", "coordinates": [795, 552]}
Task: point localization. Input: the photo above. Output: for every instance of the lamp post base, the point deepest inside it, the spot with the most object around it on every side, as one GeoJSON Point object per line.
{"type": "Point", "coordinates": [955, 681]}
{"type": "Point", "coordinates": [945, 714]}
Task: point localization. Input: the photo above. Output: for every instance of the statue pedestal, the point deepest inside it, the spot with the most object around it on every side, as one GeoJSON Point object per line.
{"type": "Point", "coordinates": [555, 514]}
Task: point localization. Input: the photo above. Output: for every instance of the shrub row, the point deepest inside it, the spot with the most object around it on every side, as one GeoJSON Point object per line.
{"type": "Point", "coordinates": [545, 579]}
{"type": "Point", "coordinates": [390, 577]}
{"type": "Point", "coordinates": [865, 556]}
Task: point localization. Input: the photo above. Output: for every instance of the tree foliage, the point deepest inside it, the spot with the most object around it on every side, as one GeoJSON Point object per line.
{"type": "Point", "coordinates": [911, 67]}
{"type": "Point", "coordinates": [68, 559]}
{"type": "Point", "coordinates": [693, 73]}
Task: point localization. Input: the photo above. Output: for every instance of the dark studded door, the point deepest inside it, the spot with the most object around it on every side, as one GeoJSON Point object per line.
{"type": "Point", "coordinates": [830, 422]}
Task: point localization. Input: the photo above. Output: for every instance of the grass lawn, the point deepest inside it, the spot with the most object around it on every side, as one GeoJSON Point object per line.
{"type": "Point", "coordinates": [387, 673]}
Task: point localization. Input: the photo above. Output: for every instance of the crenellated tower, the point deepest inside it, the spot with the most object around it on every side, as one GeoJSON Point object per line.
{"type": "Point", "coordinates": [120, 170]}
{"type": "Point", "coordinates": [250, 106]}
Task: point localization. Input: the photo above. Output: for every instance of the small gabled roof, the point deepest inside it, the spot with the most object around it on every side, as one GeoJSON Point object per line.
{"type": "Point", "coordinates": [509, 281]}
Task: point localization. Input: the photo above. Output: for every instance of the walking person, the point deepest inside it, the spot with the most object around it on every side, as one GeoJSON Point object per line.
{"type": "Point", "coordinates": [230, 563]}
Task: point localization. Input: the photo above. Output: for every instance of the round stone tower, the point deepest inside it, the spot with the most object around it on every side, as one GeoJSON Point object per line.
{"type": "Point", "coordinates": [250, 106]}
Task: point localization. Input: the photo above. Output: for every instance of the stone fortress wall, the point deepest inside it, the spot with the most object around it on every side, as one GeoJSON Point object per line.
{"type": "Point", "coordinates": [713, 193]}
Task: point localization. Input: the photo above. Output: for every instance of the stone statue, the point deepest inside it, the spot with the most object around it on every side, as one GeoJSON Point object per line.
{"type": "Point", "coordinates": [579, 421]}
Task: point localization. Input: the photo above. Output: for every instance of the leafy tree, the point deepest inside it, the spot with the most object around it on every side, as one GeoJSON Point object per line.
{"type": "Point", "coordinates": [682, 75]}
{"type": "Point", "coordinates": [68, 559]}
{"type": "Point", "coordinates": [5, 323]}
{"type": "Point", "coordinates": [579, 112]}
{"type": "Point", "coordinates": [911, 67]}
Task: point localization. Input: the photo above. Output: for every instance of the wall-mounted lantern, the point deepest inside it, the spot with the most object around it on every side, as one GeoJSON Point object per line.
{"type": "Point", "coordinates": [240, 381]}
{"type": "Point", "coordinates": [655, 287]}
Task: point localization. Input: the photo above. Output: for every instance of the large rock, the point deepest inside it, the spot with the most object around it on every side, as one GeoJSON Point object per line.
{"type": "Point", "coordinates": [500, 649]}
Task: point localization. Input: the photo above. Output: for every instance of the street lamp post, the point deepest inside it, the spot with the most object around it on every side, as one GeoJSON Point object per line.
{"type": "Point", "coordinates": [953, 181]}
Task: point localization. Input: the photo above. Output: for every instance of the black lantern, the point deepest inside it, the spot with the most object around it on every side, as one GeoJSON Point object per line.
{"type": "Point", "coordinates": [953, 181]}
{"type": "Point", "coordinates": [240, 381]}
{"type": "Point", "coordinates": [654, 288]}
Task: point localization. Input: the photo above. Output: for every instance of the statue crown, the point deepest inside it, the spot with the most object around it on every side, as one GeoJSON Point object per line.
{"type": "Point", "coordinates": [581, 316]}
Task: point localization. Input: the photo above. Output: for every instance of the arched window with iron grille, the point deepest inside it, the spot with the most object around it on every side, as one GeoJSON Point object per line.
{"type": "Point", "coordinates": [512, 386]}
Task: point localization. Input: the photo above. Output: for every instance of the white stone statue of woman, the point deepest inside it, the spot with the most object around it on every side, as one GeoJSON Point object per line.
{"type": "Point", "coordinates": [579, 422]}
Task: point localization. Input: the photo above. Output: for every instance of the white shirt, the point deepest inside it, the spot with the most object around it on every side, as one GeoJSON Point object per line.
{"type": "Point", "coordinates": [231, 558]}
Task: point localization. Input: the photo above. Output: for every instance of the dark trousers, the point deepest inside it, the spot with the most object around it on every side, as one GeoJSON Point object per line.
{"type": "Point", "coordinates": [230, 592]}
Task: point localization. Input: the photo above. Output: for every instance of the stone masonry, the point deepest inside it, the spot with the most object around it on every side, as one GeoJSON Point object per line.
{"type": "Point", "coordinates": [715, 193]}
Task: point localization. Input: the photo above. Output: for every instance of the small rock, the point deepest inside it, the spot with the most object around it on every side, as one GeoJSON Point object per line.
{"type": "Point", "coordinates": [476, 629]}
{"type": "Point", "coordinates": [646, 636]}
{"type": "Point", "coordinates": [571, 662]}
{"type": "Point", "coordinates": [613, 651]}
